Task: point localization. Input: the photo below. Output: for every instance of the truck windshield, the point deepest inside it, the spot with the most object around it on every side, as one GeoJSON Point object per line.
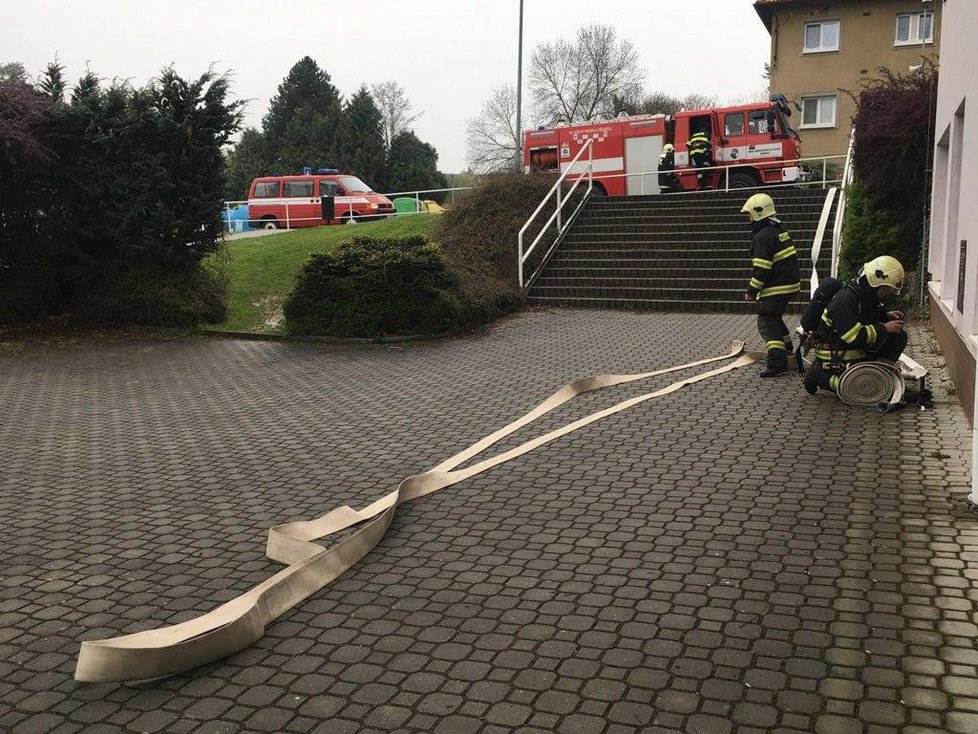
{"type": "Point", "coordinates": [353, 185]}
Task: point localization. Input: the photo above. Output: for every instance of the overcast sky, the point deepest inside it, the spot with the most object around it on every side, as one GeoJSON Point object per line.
{"type": "Point", "coordinates": [448, 55]}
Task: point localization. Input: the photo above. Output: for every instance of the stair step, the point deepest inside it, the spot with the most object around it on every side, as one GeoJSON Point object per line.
{"type": "Point", "coordinates": [649, 304]}
{"type": "Point", "coordinates": [704, 292]}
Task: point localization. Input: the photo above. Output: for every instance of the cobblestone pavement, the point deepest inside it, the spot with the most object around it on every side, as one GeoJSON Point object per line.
{"type": "Point", "coordinates": [735, 557]}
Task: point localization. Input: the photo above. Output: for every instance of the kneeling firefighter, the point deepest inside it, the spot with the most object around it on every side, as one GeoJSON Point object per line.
{"type": "Point", "coordinates": [855, 326]}
{"type": "Point", "coordinates": [775, 279]}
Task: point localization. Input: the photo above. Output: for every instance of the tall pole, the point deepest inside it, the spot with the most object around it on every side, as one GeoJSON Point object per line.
{"type": "Point", "coordinates": [519, 96]}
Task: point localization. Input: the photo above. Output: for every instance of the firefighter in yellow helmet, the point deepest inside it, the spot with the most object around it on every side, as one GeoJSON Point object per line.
{"type": "Point", "coordinates": [856, 327]}
{"type": "Point", "coordinates": [701, 156]}
{"type": "Point", "coordinates": [774, 281]}
{"type": "Point", "coordinates": [667, 165]}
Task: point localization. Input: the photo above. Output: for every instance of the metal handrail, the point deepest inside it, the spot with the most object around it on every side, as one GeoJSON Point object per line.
{"type": "Point", "coordinates": [728, 169]}
{"type": "Point", "coordinates": [523, 256]}
{"type": "Point", "coordinates": [840, 211]}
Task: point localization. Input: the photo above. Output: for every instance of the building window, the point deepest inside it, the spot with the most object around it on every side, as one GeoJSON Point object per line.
{"type": "Point", "coordinates": [818, 111]}
{"type": "Point", "coordinates": [913, 29]}
{"type": "Point", "coordinates": [821, 37]}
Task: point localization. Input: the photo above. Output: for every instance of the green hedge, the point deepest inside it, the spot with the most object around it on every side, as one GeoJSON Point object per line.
{"type": "Point", "coordinates": [372, 287]}
{"type": "Point", "coordinates": [870, 231]}
{"type": "Point", "coordinates": [153, 295]}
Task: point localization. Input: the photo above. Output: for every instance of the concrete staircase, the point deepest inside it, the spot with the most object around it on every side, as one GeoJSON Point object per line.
{"type": "Point", "coordinates": [682, 252]}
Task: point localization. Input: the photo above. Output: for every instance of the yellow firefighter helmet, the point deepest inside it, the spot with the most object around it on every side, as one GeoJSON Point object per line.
{"type": "Point", "coordinates": [884, 270]}
{"type": "Point", "coordinates": [759, 206]}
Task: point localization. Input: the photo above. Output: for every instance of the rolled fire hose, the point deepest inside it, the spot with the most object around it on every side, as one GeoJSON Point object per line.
{"type": "Point", "coordinates": [871, 385]}
{"type": "Point", "coordinates": [240, 622]}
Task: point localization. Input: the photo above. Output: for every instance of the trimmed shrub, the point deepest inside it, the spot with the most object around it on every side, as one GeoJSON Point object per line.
{"type": "Point", "coordinates": [153, 295]}
{"type": "Point", "coordinates": [479, 236]}
{"type": "Point", "coordinates": [372, 287]}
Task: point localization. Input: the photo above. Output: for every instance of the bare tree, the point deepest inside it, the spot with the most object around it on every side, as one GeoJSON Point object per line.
{"type": "Point", "coordinates": [661, 103]}
{"type": "Point", "coordinates": [755, 95]}
{"type": "Point", "coordinates": [491, 141]}
{"type": "Point", "coordinates": [578, 81]}
{"type": "Point", "coordinates": [395, 109]}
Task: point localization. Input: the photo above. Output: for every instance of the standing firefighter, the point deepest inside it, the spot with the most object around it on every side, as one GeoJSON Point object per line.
{"type": "Point", "coordinates": [667, 165]}
{"type": "Point", "coordinates": [774, 280]}
{"type": "Point", "coordinates": [700, 156]}
{"type": "Point", "coordinates": [855, 327]}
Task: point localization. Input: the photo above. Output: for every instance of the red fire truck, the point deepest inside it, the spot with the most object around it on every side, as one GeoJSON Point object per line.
{"type": "Point", "coordinates": [286, 202]}
{"type": "Point", "coordinates": [755, 141]}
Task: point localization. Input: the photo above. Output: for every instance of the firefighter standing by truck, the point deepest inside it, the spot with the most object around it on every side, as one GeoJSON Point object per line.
{"type": "Point", "coordinates": [700, 156]}
{"type": "Point", "coordinates": [855, 327]}
{"type": "Point", "coordinates": [667, 166]}
{"type": "Point", "coordinates": [775, 279]}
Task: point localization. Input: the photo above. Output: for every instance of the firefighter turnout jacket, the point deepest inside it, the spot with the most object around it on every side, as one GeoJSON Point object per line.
{"type": "Point", "coordinates": [699, 146]}
{"type": "Point", "coordinates": [775, 261]}
{"type": "Point", "coordinates": [851, 324]}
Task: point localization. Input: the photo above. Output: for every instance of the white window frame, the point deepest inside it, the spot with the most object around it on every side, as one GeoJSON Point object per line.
{"type": "Point", "coordinates": [914, 38]}
{"type": "Point", "coordinates": [820, 49]}
{"type": "Point", "coordinates": [818, 101]}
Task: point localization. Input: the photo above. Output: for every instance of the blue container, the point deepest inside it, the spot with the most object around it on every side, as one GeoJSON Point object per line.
{"type": "Point", "coordinates": [237, 219]}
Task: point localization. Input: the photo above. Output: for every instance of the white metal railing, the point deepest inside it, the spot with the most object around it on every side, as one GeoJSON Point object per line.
{"type": "Point", "coordinates": [840, 210]}
{"type": "Point", "coordinates": [348, 210]}
{"type": "Point", "coordinates": [732, 167]}
{"type": "Point", "coordinates": [557, 216]}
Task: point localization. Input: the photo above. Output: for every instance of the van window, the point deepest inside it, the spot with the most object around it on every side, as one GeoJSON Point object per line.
{"type": "Point", "coordinates": [266, 190]}
{"type": "Point", "coordinates": [301, 189]}
{"type": "Point", "coordinates": [733, 124]}
{"type": "Point", "coordinates": [329, 188]}
{"type": "Point", "coordinates": [758, 123]}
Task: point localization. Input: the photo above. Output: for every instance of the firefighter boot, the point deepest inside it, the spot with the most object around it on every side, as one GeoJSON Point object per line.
{"type": "Point", "coordinates": [777, 363]}
{"type": "Point", "coordinates": [811, 380]}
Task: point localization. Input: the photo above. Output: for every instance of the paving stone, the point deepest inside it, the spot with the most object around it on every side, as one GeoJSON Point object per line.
{"type": "Point", "coordinates": [658, 571]}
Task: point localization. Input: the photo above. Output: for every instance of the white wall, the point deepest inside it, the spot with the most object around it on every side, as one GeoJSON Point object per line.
{"type": "Point", "coordinates": [954, 212]}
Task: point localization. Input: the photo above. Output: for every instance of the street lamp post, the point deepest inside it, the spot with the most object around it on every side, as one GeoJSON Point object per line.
{"type": "Point", "coordinates": [519, 95]}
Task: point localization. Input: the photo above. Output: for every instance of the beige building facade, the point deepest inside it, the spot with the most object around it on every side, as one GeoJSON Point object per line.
{"type": "Point", "coordinates": [821, 47]}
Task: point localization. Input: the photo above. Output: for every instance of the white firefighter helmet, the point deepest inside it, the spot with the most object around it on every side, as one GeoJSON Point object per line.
{"type": "Point", "coordinates": [667, 148]}
{"type": "Point", "coordinates": [884, 271]}
{"type": "Point", "coordinates": [759, 206]}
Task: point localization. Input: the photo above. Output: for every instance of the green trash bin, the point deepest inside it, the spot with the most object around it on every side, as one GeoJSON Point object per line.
{"type": "Point", "coordinates": [406, 205]}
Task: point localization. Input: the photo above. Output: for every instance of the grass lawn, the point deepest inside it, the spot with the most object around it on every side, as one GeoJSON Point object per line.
{"type": "Point", "coordinates": [263, 269]}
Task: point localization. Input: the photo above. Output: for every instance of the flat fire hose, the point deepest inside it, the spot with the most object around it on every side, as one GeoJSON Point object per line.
{"type": "Point", "coordinates": [240, 622]}
{"type": "Point", "coordinates": [867, 384]}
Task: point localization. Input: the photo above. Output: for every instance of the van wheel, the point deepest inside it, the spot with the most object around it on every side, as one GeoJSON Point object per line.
{"type": "Point", "coordinates": [743, 180]}
{"type": "Point", "coordinates": [270, 223]}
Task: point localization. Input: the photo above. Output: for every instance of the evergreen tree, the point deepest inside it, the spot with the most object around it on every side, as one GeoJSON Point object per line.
{"type": "Point", "coordinates": [52, 83]}
{"type": "Point", "coordinates": [302, 122]}
{"type": "Point", "coordinates": [244, 163]}
{"type": "Point", "coordinates": [361, 139]}
{"type": "Point", "coordinates": [412, 165]}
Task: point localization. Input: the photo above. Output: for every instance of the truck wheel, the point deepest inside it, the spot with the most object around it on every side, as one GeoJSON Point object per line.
{"type": "Point", "coordinates": [269, 223]}
{"type": "Point", "coordinates": [348, 219]}
{"type": "Point", "coordinates": [598, 190]}
{"type": "Point", "coordinates": [743, 180]}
